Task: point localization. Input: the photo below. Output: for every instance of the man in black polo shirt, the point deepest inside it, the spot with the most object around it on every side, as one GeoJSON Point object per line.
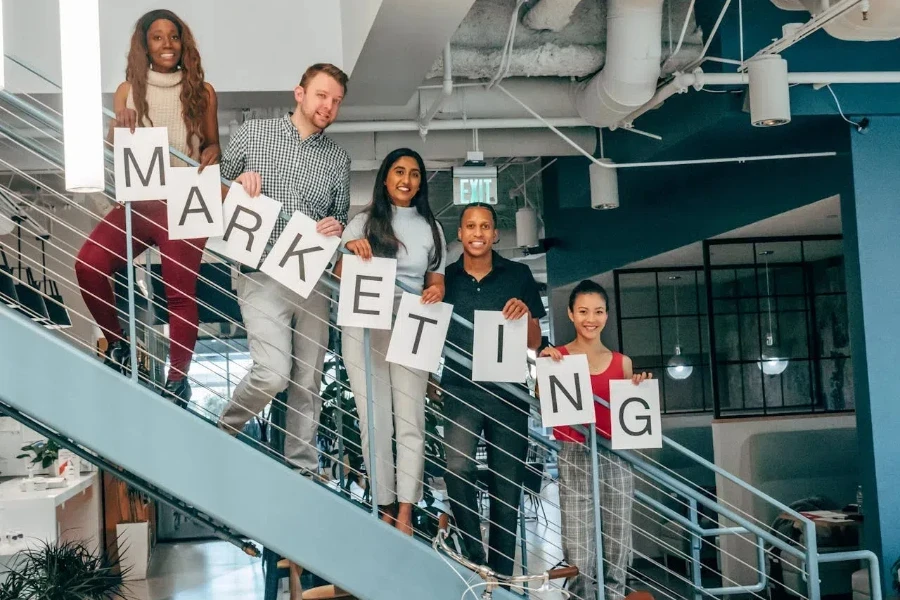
{"type": "Point", "coordinates": [483, 280]}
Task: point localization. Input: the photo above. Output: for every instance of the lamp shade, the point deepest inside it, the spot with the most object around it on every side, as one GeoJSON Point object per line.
{"type": "Point", "coordinates": [604, 185]}
{"type": "Point", "coordinates": [56, 308]}
{"type": "Point", "coordinates": [31, 301]}
{"type": "Point", "coordinates": [79, 27]}
{"type": "Point", "coordinates": [8, 295]}
{"type": "Point", "coordinates": [678, 367]}
{"type": "Point", "coordinates": [526, 228]}
{"type": "Point", "coordinates": [770, 96]}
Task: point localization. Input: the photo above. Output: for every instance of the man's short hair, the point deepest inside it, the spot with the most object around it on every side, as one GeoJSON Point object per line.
{"type": "Point", "coordinates": [327, 68]}
{"type": "Point", "coordinates": [483, 205]}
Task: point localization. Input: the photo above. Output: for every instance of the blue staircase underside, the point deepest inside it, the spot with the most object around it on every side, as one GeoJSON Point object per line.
{"type": "Point", "coordinates": [75, 395]}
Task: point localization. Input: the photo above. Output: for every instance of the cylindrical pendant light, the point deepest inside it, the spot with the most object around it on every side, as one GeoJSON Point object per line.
{"type": "Point", "coordinates": [604, 185]}
{"type": "Point", "coordinates": [770, 95]}
{"type": "Point", "coordinates": [79, 26]}
{"type": "Point", "coordinates": [526, 228]}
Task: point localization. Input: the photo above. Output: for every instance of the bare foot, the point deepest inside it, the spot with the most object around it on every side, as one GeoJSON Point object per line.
{"type": "Point", "coordinates": [404, 518]}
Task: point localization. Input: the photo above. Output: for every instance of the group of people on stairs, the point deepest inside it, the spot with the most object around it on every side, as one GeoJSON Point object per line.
{"type": "Point", "coordinates": [290, 159]}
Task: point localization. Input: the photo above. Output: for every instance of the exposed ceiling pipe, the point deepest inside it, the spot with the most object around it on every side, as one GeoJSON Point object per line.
{"type": "Point", "coordinates": [446, 92]}
{"type": "Point", "coordinates": [550, 15]}
{"type": "Point", "coordinates": [664, 163]}
{"type": "Point", "coordinates": [633, 52]}
{"type": "Point", "coordinates": [681, 82]}
{"type": "Point", "coordinates": [451, 125]}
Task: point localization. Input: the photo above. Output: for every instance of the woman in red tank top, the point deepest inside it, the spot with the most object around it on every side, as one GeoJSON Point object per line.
{"type": "Point", "coordinates": [588, 305]}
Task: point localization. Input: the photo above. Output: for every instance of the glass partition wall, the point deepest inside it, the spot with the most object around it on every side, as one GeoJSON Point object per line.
{"type": "Point", "coordinates": [767, 335]}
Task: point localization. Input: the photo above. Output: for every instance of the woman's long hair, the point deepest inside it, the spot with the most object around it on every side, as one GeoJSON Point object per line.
{"type": "Point", "coordinates": [194, 99]}
{"type": "Point", "coordinates": [379, 230]}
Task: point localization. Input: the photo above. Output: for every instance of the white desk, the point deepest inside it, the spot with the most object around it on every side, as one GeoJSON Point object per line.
{"type": "Point", "coordinates": [72, 512]}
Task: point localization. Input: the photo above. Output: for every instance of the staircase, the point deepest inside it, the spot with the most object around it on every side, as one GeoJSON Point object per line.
{"type": "Point", "coordinates": [51, 382]}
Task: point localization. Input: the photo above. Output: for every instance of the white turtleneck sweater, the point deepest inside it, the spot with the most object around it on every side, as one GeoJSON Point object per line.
{"type": "Point", "coordinates": [165, 110]}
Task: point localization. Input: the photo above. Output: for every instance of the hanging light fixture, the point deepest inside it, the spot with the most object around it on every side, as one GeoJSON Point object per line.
{"type": "Point", "coordinates": [677, 367]}
{"type": "Point", "coordinates": [79, 27]}
{"type": "Point", "coordinates": [30, 301]}
{"type": "Point", "coordinates": [8, 295]}
{"type": "Point", "coordinates": [771, 360]}
{"type": "Point", "coordinates": [57, 313]}
{"type": "Point", "coordinates": [770, 94]}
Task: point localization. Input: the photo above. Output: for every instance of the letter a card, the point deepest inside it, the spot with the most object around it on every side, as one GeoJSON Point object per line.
{"type": "Point", "coordinates": [194, 203]}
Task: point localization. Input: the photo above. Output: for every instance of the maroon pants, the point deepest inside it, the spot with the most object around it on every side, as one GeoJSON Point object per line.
{"type": "Point", "coordinates": [104, 253]}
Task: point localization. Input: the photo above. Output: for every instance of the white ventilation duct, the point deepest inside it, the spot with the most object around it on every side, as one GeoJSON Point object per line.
{"type": "Point", "coordinates": [633, 54]}
{"type": "Point", "coordinates": [550, 15]}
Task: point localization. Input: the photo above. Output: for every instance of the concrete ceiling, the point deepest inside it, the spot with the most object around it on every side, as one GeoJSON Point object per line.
{"type": "Point", "coordinates": [578, 50]}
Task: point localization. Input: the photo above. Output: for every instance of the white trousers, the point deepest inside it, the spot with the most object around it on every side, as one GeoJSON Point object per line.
{"type": "Point", "coordinates": [399, 406]}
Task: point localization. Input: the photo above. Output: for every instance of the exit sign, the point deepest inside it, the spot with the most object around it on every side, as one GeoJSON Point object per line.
{"type": "Point", "coordinates": [474, 184]}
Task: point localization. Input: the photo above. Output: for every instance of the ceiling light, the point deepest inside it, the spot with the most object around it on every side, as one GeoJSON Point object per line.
{"type": "Point", "coordinates": [770, 96]}
{"type": "Point", "coordinates": [771, 360]}
{"type": "Point", "coordinates": [79, 24]}
{"type": "Point", "coordinates": [604, 185]}
{"type": "Point", "coordinates": [677, 367]}
{"type": "Point", "coordinates": [526, 228]}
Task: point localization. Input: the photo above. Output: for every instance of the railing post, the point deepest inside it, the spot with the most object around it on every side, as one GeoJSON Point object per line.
{"type": "Point", "coordinates": [522, 530]}
{"type": "Point", "coordinates": [598, 526]}
{"type": "Point", "coordinates": [812, 561]}
{"type": "Point", "coordinates": [370, 419]}
{"type": "Point", "coordinates": [132, 325]}
{"type": "Point", "coordinates": [696, 573]}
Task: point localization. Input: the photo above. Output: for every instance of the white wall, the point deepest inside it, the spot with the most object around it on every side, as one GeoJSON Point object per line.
{"type": "Point", "coordinates": [264, 45]}
{"type": "Point", "coordinates": [12, 437]}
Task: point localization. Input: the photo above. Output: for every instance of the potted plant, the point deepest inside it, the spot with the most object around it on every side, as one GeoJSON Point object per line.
{"type": "Point", "coordinates": [62, 571]}
{"type": "Point", "coordinates": [42, 453]}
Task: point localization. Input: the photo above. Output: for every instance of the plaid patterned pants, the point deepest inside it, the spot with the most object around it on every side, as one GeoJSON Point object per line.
{"type": "Point", "coordinates": [577, 506]}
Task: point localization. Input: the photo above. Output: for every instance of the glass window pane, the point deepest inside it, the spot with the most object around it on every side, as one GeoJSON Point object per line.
{"type": "Point", "coordinates": [836, 384]}
{"type": "Point", "coordinates": [637, 293]}
{"type": "Point", "coordinates": [640, 341]}
{"type": "Point", "coordinates": [730, 388]}
{"type": "Point", "coordinates": [723, 283]}
{"type": "Point", "coordinates": [684, 394]}
{"type": "Point", "coordinates": [832, 330]}
{"type": "Point", "coordinates": [797, 384]}
{"type": "Point", "coordinates": [681, 291]}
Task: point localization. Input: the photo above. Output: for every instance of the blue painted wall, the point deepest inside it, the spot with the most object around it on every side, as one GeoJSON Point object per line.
{"type": "Point", "coordinates": [871, 218]}
{"type": "Point", "coordinates": [663, 208]}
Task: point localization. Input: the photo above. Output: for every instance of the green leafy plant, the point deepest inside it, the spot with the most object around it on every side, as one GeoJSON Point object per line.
{"type": "Point", "coordinates": [63, 571]}
{"type": "Point", "coordinates": [42, 453]}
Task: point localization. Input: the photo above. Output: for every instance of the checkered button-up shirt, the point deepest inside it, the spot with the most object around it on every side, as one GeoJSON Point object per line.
{"type": "Point", "coordinates": [311, 175]}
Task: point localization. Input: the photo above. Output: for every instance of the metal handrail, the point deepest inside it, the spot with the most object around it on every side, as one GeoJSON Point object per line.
{"type": "Point", "coordinates": [809, 527]}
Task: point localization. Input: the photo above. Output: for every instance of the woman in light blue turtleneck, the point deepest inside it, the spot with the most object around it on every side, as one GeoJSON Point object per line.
{"type": "Point", "coordinates": [398, 223]}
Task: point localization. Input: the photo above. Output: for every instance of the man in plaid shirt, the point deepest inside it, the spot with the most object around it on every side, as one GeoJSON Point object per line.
{"type": "Point", "coordinates": [290, 160]}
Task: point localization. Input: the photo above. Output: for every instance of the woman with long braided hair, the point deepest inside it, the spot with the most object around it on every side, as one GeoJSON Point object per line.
{"type": "Point", "coordinates": [164, 87]}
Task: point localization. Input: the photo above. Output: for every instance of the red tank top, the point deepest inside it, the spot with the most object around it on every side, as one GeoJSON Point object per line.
{"type": "Point", "coordinates": [600, 387]}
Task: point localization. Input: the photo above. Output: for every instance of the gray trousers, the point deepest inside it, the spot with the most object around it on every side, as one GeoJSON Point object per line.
{"type": "Point", "coordinates": [576, 503]}
{"type": "Point", "coordinates": [399, 402]}
{"type": "Point", "coordinates": [288, 336]}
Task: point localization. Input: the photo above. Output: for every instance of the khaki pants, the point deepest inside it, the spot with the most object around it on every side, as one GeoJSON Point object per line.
{"type": "Point", "coordinates": [282, 359]}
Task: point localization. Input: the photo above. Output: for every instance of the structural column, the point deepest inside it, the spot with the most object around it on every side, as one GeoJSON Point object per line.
{"type": "Point", "coordinates": [871, 220]}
